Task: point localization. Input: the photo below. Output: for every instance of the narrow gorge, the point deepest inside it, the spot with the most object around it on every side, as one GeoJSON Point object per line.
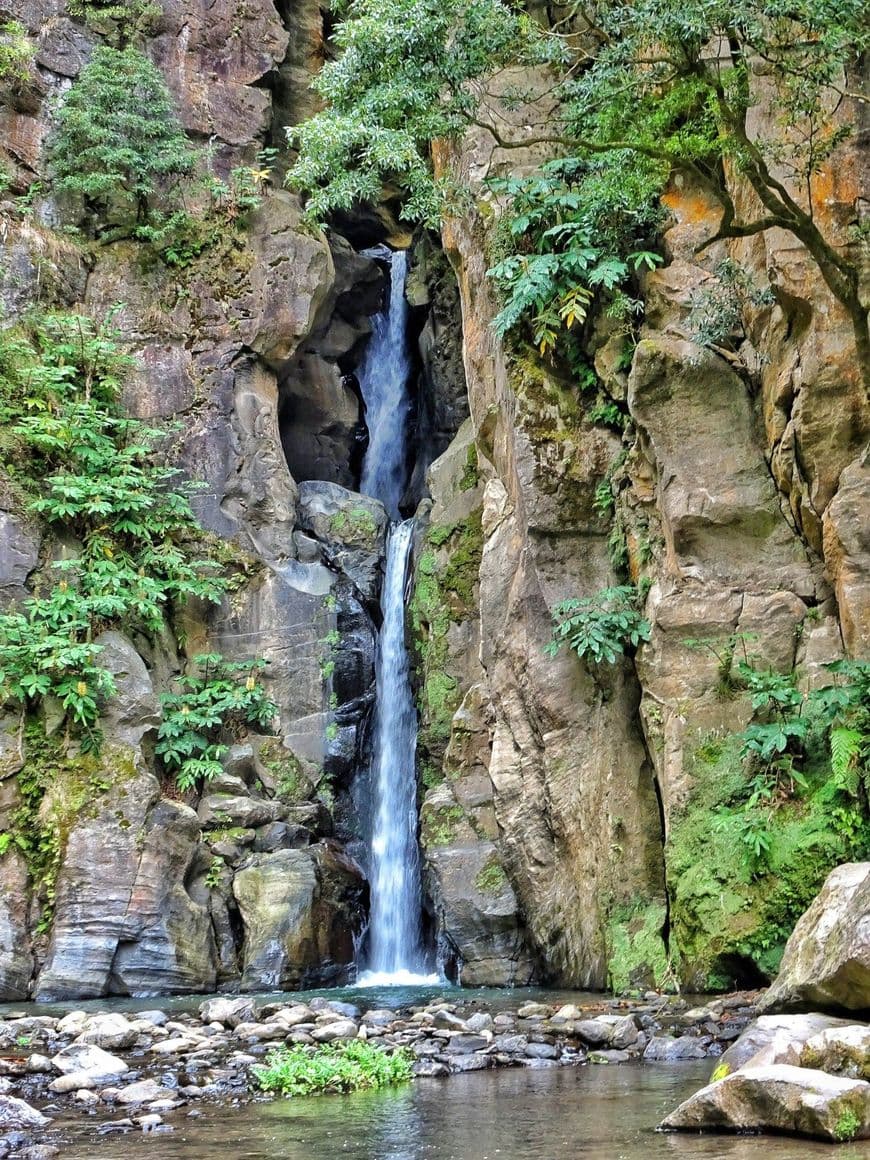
{"type": "Point", "coordinates": [434, 496]}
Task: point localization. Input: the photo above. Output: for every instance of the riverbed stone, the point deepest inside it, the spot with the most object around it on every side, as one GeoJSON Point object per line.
{"type": "Point", "coordinates": [779, 1098]}
{"type": "Point", "coordinates": [230, 1012]}
{"type": "Point", "coordinates": [142, 1092]}
{"type": "Point", "coordinates": [668, 1049]}
{"type": "Point", "coordinates": [337, 1029]}
{"type": "Point", "coordinates": [777, 1039]}
{"type": "Point", "coordinates": [826, 964]}
{"type": "Point", "coordinates": [86, 1057]}
{"type": "Point", "coordinates": [15, 1113]}
{"type": "Point", "coordinates": [109, 1030]}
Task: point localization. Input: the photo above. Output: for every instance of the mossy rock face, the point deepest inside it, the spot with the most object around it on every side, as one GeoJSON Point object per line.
{"type": "Point", "coordinates": [732, 908]}
{"type": "Point", "coordinates": [637, 955]}
{"type": "Point", "coordinates": [445, 594]}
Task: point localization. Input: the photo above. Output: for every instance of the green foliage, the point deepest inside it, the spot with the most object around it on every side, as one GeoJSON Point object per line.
{"type": "Point", "coordinates": [716, 317]}
{"type": "Point", "coordinates": [849, 1123]}
{"type": "Point", "coordinates": [600, 627]}
{"type": "Point", "coordinates": [91, 471]}
{"type": "Point", "coordinates": [655, 86]}
{"type": "Point", "coordinates": [17, 52]}
{"type": "Point", "coordinates": [116, 21]}
{"type": "Point", "coordinates": [636, 951]}
{"type": "Point", "coordinates": [574, 229]}
{"type": "Point", "coordinates": [332, 1068]}
{"type": "Point", "coordinates": [117, 136]}
{"type": "Point", "coordinates": [402, 79]}
{"type": "Point", "coordinates": [491, 877]}
{"type": "Point", "coordinates": [220, 701]}
{"type": "Point", "coordinates": [773, 810]}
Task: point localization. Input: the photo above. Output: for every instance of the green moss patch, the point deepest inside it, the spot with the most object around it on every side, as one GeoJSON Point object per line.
{"type": "Point", "coordinates": [637, 955]}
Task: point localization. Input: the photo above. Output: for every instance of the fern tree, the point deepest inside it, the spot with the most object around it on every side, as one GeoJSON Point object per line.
{"type": "Point", "coordinates": [118, 137]}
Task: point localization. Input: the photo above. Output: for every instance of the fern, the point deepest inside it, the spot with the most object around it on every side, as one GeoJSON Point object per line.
{"type": "Point", "coordinates": [846, 747]}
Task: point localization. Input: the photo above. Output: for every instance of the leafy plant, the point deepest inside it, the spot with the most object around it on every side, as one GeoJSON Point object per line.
{"type": "Point", "coordinates": [118, 137]}
{"type": "Point", "coordinates": [716, 316]}
{"type": "Point", "coordinates": [92, 471]}
{"type": "Point", "coordinates": [17, 53]}
{"type": "Point", "coordinates": [600, 627]}
{"type": "Point", "coordinates": [221, 700]}
{"type": "Point", "coordinates": [335, 1067]}
{"type": "Point", "coordinates": [650, 86]}
{"type": "Point", "coordinates": [116, 21]}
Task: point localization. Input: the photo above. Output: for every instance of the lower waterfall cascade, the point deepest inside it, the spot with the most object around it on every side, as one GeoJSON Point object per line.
{"type": "Point", "coordinates": [395, 946]}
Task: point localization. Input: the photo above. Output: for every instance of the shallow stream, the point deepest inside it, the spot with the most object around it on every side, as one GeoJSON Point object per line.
{"type": "Point", "coordinates": [595, 1113]}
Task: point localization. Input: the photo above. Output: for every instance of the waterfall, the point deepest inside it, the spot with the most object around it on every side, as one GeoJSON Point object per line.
{"type": "Point", "coordinates": [395, 952]}
{"type": "Point", "coordinates": [383, 379]}
{"type": "Point", "coordinates": [394, 928]}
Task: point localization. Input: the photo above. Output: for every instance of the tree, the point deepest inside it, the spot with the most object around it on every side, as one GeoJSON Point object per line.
{"type": "Point", "coordinates": [670, 83]}
{"type": "Point", "coordinates": [118, 136]}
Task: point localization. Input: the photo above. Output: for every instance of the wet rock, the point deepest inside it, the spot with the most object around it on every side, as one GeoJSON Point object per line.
{"type": "Point", "coordinates": [668, 1049]}
{"type": "Point", "coordinates": [230, 1012]}
{"type": "Point", "coordinates": [777, 1039]}
{"type": "Point", "coordinates": [85, 1057]}
{"type": "Point", "coordinates": [338, 1029]}
{"type": "Point", "coordinates": [15, 1113]}
{"type": "Point", "coordinates": [142, 1092]}
{"type": "Point", "coordinates": [352, 528]}
{"type": "Point", "coordinates": [826, 964]}
{"type": "Point", "coordinates": [593, 1031]}
{"type": "Point", "coordinates": [301, 910]}
{"type": "Point", "coordinates": [109, 1030]}
{"type": "Point", "coordinates": [779, 1098]}
{"type": "Point", "coordinates": [465, 1044]}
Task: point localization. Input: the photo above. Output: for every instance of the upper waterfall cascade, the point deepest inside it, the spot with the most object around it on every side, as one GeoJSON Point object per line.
{"type": "Point", "coordinates": [383, 378]}
{"type": "Point", "coordinates": [396, 953]}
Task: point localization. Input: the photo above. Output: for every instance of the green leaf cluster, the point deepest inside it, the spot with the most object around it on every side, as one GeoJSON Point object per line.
{"type": "Point", "coordinates": [91, 472]}
{"type": "Point", "coordinates": [573, 230]}
{"type": "Point", "coordinates": [117, 137]}
{"type": "Point", "coordinates": [600, 627]}
{"type": "Point", "coordinates": [408, 72]}
{"type": "Point", "coordinates": [17, 52]}
{"type": "Point", "coordinates": [347, 1066]}
{"type": "Point", "coordinates": [117, 22]}
{"type": "Point", "coordinates": [219, 701]}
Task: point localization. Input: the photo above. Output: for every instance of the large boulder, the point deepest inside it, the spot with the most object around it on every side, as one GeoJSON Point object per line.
{"type": "Point", "coordinates": [827, 959]}
{"type": "Point", "coordinates": [777, 1039]}
{"type": "Point", "coordinates": [779, 1098]}
{"type": "Point", "coordinates": [302, 911]}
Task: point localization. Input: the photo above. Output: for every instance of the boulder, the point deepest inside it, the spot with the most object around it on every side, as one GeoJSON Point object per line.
{"type": "Point", "coordinates": [779, 1098]}
{"type": "Point", "coordinates": [230, 1012]}
{"type": "Point", "coordinates": [352, 529]}
{"type": "Point", "coordinates": [109, 1030]}
{"type": "Point", "coordinates": [826, 964]}
{"type": "Point", "coordinates": [16, 1114]}
{"type": "Point", "coordinates": [840, 1051]}
{"type": "Point", "coordinates": [87, 1058]}
{"type": "Point", "coordinates": [776, 1039]}
{"type": "Point", "coordinates": [302, 911]}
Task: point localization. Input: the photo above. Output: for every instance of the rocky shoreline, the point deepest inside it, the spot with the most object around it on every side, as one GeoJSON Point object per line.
{"type": "Point", "coordinates": [138, 1071]}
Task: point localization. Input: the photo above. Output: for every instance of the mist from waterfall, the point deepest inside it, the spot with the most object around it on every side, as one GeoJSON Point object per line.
{"type": "Point", "coordinates": [395, 945]}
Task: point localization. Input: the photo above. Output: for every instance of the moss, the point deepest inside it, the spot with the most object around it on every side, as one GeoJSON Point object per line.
{"type": "Point", "coordinates": [720, 1072]}
{"type": "Point", "coordinates": [637, 956]}
{"type": "Point", "coordinates": [731, 913]}
{"type": "Point", "coordinates": [491, 878]}
{"type": "Point", "coordinates": [356, 525]}
{"type": "Point", "coordinates": [291, 784]}
{"type": "Point", "coordinates": [444, 594]}
{"type": "Point", "coordinates": [56, 788]}
{"type": "Point", "coordinates": [440, 824]}
{"type": "Point", "coordinates": [848, 1124]}
{"type": "Point", "coordinates": [470, 475]}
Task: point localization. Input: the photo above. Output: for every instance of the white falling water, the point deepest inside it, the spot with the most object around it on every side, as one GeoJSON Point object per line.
{"type": "Point", "coordinates": [396, 952]}
{"type": "Point", "coordinates": [383, 379]}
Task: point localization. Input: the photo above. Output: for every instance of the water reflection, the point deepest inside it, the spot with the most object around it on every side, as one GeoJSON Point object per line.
{"type": "Point", "coordinates": [604, 1113]}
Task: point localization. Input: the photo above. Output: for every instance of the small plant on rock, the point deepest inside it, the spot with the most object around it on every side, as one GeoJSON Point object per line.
{"type": "Point", "coordinates": [600, 627]}
{"type": "Point", "coordinates": [219, 702]}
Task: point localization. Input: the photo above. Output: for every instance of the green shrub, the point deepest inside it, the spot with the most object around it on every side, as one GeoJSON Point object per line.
{"type": "Point", "coordinates": [87, 469]}
{"type": "Point", "coordinates": [116, 21]}
{"type": "Point", "coordinates": [600, 627]}
{"type": "Point", "coordinates": [220, 701]}
{"type": "Point", "coordinates": [118, 137]}
{"type": "Point", "coordinates": [16, 57]}
{"type": "Point", "coordinates": [332, 1068]}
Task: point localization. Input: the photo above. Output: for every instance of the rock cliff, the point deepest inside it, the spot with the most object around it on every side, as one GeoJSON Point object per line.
{"type": "Point", "coordinates": [566, 808]}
